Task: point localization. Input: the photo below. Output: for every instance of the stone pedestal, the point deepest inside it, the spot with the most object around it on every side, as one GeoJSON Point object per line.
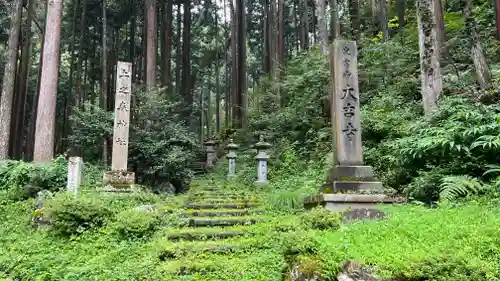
{"type": "Point", "coordinates": [118, 181]}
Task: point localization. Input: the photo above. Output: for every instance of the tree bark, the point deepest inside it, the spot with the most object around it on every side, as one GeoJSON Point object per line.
{"type": "Point", "coordinates": [305, 24]}
{"type": "Point", "coordinates": [8, 83]}
{"type": "Point", "coordinates": [483, 74]}
{"type": "Point", "coordinates": [497, 18]}
{"type": "Point", "coordinates": [186, 60]}
{"type": "Point", "coordinates": [18, 126]}
{"type": "Point", "coordinates": [355, 18]}
{"type": "Point", "coordinates": [104, 74]}
{"type": "Point", "coordinates": [167, 26]}
{"type": "Point", "coordinates": [46, 115]}
{"type": "Point", "coordinates": [81, 59]}
{"type": "Point", "coordinates": [430, 69]}
{"type": "Point", "coordinates": [151, 39]}
{"type": "Point", "coordinates": [335, 23]}
{"type": "Point", "coordinates": [438, 12]}
{"type": "Point", "coordinates": [178, 51]}
{"type": "Point", "coordinates": [322, 27]}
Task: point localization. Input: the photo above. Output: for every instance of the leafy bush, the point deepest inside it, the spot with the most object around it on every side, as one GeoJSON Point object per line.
{"type": "Point", "coordinates": [285, 202]}
{"type": "Point", "coordinates": [71, 215]}
{"type": "Point", "coordinates": [135, 224]}
{"type": "Point", "coordinates": [21, 180]}
{"type": "Point", "coordinates": [160, 145]}
{"type": "Point", "coordinates": [320, 218]}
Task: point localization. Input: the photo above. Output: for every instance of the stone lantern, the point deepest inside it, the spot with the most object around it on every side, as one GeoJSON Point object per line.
{"type": "Point", "coordinates": [262, 158]}
{"type": "Point", "coordinates": [210, 149]}
{"type": "Point", "coordinates": [231, 156]}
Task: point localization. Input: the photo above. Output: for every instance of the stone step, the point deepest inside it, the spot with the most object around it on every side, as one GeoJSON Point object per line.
{"type": "Point", "coordinates": [233, 266]}
{"type": "Point", "coordinates": [227, 221]}
{"type": "Point", "coordinates": [221, 213]}
{"type": "Point", "coordinates": [221, 206]}
{"type": "Point", "coordinates": [223, 201]}
{"type": "Point", "coordinates": [212, 233]}
{"type": "Point", "coordinates": [179, 249]}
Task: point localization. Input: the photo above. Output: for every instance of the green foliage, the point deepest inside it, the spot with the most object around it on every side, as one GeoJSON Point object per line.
{"type": "Point", "coordinates": [71, 215]}
{"type": "Point", "coordinates": [160, 146]}
{"type": "Point", "coordinates": [453, 187]}
{"type": "Point", "coordinates": [285, 202]}
{"type": "Point", "coordinates": [321, 219]}
{"type": "Point", "coordinates": [21, 180]}
{"type": "Point", "coordinates": [135, 224]}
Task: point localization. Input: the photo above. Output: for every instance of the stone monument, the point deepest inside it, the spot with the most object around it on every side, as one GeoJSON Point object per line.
{"type": "Point", "coordinates": [75, 168]}
{"type": "Point", "coordinates": [119, 178]}
{"type": "Point", "coordinates": [349, 182]}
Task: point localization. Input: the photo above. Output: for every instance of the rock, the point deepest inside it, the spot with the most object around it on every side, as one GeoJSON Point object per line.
{"type": "Point", "coordinates": [353, 271]}
{"type": "Point", "coordinates": [145, 208]}
{"type": "Point", "coordinates": [165, 187]}
{"type": "Point", "coordinates": [305, 269]}
{"type": "Point", "coordinates": [362, 214]}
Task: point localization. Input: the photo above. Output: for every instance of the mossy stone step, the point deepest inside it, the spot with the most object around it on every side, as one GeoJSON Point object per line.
{"type": "Point", "coordinates": [183, 248]}
{"type": "Point", "coordinates": [194, 235]}
{"type": "Point", "coordinates": [223, 201]}
{"type": "Point", "coordinates": [222, 213]}
{"type": "Point", "coordinates": [229, 221]}
{"type": "Point", "coordinates": [197, 206]}
{"type": "Point", "coordinates": [234, 266]}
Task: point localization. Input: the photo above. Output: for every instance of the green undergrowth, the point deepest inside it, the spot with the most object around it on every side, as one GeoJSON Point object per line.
{"type": "Point", "coordinates": [450, 242]}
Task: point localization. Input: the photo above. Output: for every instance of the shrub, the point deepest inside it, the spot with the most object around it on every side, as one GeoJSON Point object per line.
{"type": "Point", "coordinates": [71, 216]}
{"type": "Point", "coordinates": [135, 224]}
{"type": "Point", "coordinates": [321, 219]}
{"type": "Point", "coordinates": [21, 180]}
{"type": "Point", "coordinates": [285, 202]}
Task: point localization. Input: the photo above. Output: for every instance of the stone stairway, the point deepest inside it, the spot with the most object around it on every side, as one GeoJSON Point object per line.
{"type": "Point", "coordinates": [199, 165]}
{"type": "Point", "coordinates": [217, 223]}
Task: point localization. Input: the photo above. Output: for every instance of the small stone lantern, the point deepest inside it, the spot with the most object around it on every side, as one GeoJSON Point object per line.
{"type": "Point", "coordinates": [262, 158]}
{"type": "Point", "coordinates": [210, 146]}
{"type": "Point", "coordinates": [231, 156]}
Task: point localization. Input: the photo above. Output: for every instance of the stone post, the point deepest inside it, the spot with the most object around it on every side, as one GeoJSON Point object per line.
{"type": "Point", "coordinates": [119, 178]}
{"type": "Point", "coordinates": [231, 156]}
{"type": "Point", "coordinates": [262, 158]}
{"type": "Point", "coordinates": [210, 149]}
{"type": "Point", "coordinates": [75, 168]}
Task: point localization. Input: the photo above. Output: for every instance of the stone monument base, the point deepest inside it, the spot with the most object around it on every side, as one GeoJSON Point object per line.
{"type": "Point", "coordinates": [352, 179]}
{"type": "Point", "coordinates": [118, 181]}
{"type": "Point", "coordinates": [342, 202]}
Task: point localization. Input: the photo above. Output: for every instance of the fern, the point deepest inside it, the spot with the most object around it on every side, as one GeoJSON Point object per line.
{"type": "Point", "coordinates": [453, 187]}
{"type": "Point", "coordinates": [493, 169]}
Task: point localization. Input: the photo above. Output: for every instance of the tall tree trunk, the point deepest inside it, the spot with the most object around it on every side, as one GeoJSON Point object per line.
{"type": "Point", "coordinates": [235, 110]}
{"type": "Point", "coordinates": [305, 24]}
{"type": "Point", "coordinates": [355, 18]}
{"type": "Point", "coordinates": [266, 30]}
{"type": "Point", "coordinates": [227, 78]}
{"type": "Point", "coordinates": [104, 74]}
{"type": "Point", "coordinates": [242, 65]}
{"type": "Point", "coordinates": [81, 58]}
{"type": "Point", "coordinates": [8, 83]}
{"type": "Point", "coordinates": [384, 21]}
{"type": "Point", "coordinates": [68, 99]}
{"type": "Point", "coordinates": [281, 33]}
{"type": "Point", "coordinates": [18, 126]}
{"type": "Point", "coordinates": [430, 69]}
{"type": "Point", "coordinates": [440, 32]}
{"type": "Point", "coordinates": [46, 115]}
{"type": "Point", "coordinates": [167, 26]}
{"type": "Point", "coordinates": [186, 60]}
{"type": "Point", "coordinates": [400, 7]}
{"type": "Point", "coordinates": [497, 18]}
{"type": "Point", "coordinates": [178, 51]}
{"type": "Point", "coordinates": [483, 74]}
{"type": "Point", "coordinates": [132, 50]}
{"type": "Point", "coordinates": [151, 40]}
{"type": "Point", "coordinates": [217, 77]}
{"type": "Point", "coordinates": [322, 27]}
{"type": "Point", "coordinates": [334, 17]}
